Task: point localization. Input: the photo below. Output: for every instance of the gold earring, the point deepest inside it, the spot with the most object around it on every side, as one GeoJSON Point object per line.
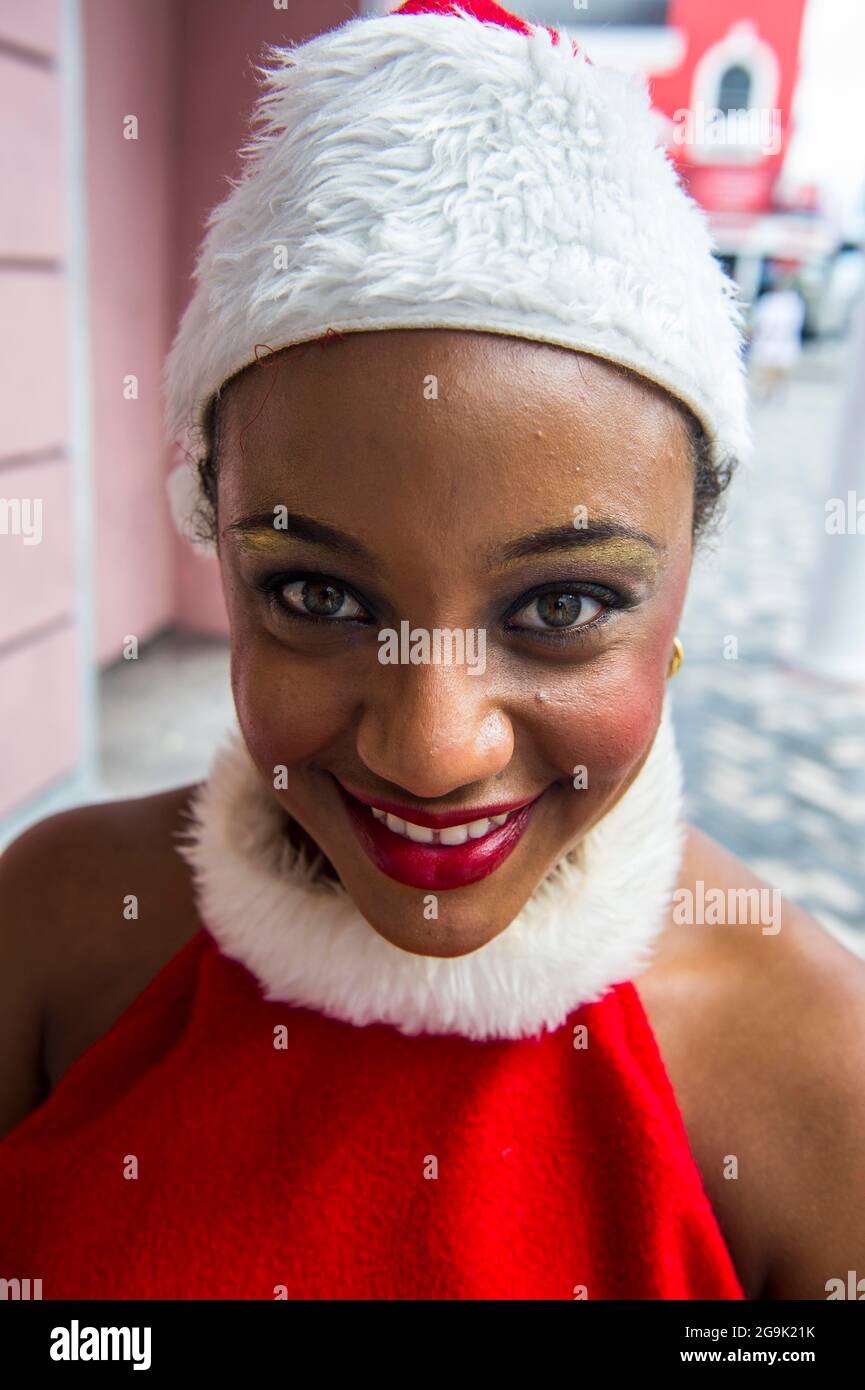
{"type": "Point", "coordinates": [677, 658]}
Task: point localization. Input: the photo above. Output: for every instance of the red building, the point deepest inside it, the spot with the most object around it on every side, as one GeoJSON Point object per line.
{"type": "Point", "coordinates": [728, 110]}
{"type": "Point", "coordinates": [722, 75]}
{"type": "Point", "coordinates": [729, 101]}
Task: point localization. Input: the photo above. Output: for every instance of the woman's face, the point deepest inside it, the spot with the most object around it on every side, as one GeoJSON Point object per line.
{"type": "Point", "coordinates": [524, 512]}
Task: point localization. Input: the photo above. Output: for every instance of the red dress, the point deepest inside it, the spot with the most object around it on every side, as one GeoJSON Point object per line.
{"type": "Point", "coordinates": [214, 1145]}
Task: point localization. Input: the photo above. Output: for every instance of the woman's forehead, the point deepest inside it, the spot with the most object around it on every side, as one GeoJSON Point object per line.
{"type": "Point", "coordinates": [426, 438]}
{"type": "Point", "coordinates": [417, 478]}
{"type": "Point", "coordinates": [431, 386]}
{"type": "Point", "coordinates": [446, 457]}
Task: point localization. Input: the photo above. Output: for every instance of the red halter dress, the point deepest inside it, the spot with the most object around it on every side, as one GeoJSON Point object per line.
{"type": "Point", "coordinates": [216, 1144]}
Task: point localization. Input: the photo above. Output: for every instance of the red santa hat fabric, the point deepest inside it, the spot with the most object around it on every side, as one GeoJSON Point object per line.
{"type": "Point", "coordinates": [451, 165]}
{"type": "Point", "coordinates": [485, 10]}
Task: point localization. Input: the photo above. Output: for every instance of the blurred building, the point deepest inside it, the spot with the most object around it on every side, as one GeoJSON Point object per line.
{"type": "Point", "coordinates": [728, 110]}
{"type": "Point", "coordinates": [722, 77]}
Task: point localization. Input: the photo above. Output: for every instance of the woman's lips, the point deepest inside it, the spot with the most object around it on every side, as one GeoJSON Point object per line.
{"type": "Point", "coordinates": [448, 849]}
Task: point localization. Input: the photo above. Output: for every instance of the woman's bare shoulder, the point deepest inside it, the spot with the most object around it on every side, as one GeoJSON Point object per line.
{"type": "Point", "coordinates": [94, 901]}
{"type": "Point", "coordinates": [722, 905]}
{"type": "Point", "coordinates": [109, 862]}
{"type": "Point", "coordinates": [760, 1016]}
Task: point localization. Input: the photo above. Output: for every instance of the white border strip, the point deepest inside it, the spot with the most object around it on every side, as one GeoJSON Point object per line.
{"type": "Point", "coordinates": [78, 347]}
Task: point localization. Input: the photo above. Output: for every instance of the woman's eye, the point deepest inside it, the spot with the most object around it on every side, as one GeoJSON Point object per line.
{"type": "Point", "coordinates": [557, 610]}
{"type": "Point", "coordinates": [319, 598]}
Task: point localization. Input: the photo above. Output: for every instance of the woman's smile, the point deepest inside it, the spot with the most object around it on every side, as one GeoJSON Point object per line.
{"type": "Point", "coordinates": [436, 850]}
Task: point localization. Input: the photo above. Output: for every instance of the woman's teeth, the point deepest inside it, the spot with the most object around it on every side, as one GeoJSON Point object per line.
{"type": "Point", "coordinates": [451, 835]}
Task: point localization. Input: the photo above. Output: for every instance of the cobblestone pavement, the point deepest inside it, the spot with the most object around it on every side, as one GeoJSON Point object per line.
{"type": "Point", "coordinates": [775, 759]}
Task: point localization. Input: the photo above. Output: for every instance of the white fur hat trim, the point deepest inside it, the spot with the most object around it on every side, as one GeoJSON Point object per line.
{"type": "Point", "coordinates": [433, 171]}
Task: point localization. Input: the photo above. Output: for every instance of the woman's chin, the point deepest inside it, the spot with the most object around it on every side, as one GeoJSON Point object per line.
{"type": "Point", "coordinates": [445, 939]}
{"type": "Point", "coordinates": [446, 924]}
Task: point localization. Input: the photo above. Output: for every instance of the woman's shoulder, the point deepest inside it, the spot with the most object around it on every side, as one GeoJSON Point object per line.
{"type": "Point", "coordinates": [95, 900]}
{"type": "Point", "coordinates": [738, 934]}
{"type": "Point", "coordinates": [68, 876]}
{"type": "Point", "coordinates": [759, 1013]}
{"type": "Point", "coordinates": [724, 913]}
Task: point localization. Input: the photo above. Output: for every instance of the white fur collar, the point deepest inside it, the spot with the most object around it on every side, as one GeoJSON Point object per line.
{"type": "Point", "coordinates": [589, 925]}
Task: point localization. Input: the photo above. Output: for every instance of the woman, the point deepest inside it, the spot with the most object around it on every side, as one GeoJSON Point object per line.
{"type": "Point", "coordinates": [420, 1009]}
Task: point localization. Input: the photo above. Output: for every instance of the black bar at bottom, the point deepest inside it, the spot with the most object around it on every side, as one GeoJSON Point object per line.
{"type": "Point", "coordinates": [256, 1339]}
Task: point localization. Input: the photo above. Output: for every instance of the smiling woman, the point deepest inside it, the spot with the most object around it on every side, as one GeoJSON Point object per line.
{"type": "Point", "coordinates": [414, 1016]}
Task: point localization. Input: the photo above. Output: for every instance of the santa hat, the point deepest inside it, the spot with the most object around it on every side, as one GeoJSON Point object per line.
{"type": "Point", "coordinates": [451, 166]}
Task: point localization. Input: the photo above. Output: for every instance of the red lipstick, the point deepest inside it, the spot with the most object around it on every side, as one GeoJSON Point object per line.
{"type": "Point", "coordinates": [435, 867]}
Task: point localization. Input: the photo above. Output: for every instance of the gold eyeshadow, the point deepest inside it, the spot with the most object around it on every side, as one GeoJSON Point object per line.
{"type": "Point", "coordinates": [633, 555]}
{"type": "Point", "coordinates": [259, 541]}
{"type": "Point", "coordinates": [618, 550]}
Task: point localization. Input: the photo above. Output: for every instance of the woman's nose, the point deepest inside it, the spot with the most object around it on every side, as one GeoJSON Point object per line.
{"type": "Point", "coordinates": [433, 729]}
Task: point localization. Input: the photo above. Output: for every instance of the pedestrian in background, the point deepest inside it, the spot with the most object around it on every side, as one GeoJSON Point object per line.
{"type": "Point", "coordinates": [777, 319]}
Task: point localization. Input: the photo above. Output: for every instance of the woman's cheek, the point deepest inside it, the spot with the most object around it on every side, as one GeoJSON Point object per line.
{"type": "Point", "coordinates": [606, 732]}
{"type": "Point", "coordinates": [290, 710]}
{"type": "Point", "coordinates": [611, 718]}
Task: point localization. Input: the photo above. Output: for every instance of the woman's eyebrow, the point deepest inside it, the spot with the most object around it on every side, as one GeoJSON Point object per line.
{"type": "Point", "coordinates": [266, 528]}
{"type": "Point", "coordinates": [618, 541]}
{"type": "Point", "coordinates": [609, 536]}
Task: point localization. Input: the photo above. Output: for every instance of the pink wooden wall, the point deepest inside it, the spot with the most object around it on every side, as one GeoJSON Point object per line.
{"type": "Point", "coordinates": [39, 712]}
{"type": "Point", "coordinates": [184, 69]}
{"type": "Point", "coordinates": [131, 69]}
{"type": "Point", "coordinates": [219, 44]}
